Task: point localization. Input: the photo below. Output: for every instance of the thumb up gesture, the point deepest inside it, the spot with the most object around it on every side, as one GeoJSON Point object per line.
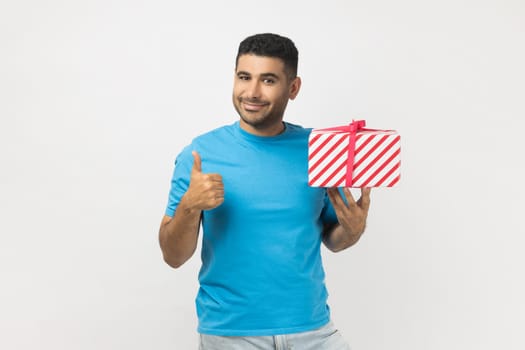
{"type": "Point", "coordinates": [206, 191]}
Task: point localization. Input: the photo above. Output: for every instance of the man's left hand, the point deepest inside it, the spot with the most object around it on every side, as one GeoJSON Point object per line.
{"type": "Point", "coordinates": [352, 214]}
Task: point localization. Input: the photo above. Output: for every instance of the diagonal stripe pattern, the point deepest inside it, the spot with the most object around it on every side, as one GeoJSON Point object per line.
{"type": "Point", "coordinates": [377, 159]}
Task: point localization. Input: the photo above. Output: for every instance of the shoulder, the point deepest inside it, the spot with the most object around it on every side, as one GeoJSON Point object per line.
{"type": "Point", "coordinates": [214, 141]}
{"type": "Point", "coordinates": [297, 130]}
{"type": "Point", "coordinates": [214, 135]}
{"type": "Point", "coordinates": [205, 138]}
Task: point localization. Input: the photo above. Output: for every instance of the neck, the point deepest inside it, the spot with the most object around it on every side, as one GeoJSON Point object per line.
{"type": "Point", "coordinates": [270, 130]}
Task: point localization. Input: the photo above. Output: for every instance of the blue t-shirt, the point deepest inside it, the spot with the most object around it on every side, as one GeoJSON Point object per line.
{"type": "Point", "coordinates": [261, 271]}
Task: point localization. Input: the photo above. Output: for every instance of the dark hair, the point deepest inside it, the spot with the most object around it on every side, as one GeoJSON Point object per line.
{"type": "Point", "coordinates": [271, 45]}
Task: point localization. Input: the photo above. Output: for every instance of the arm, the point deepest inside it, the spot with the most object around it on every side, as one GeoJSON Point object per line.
{"type": "Point", "coordinates": [351, 216]}
{"type": "Point", "coordinates": [178, 235]}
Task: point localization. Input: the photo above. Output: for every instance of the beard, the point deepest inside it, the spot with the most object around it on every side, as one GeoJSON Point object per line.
{"type": "Point", "coordinates": [262, 119]}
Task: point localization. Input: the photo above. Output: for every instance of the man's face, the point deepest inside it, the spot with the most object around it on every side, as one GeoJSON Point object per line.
{"type": "Point", "coordinates": [261, 91]}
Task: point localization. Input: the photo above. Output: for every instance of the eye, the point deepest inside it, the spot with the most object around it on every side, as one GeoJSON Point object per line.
{"type": "Point", "coordinates": [269, 81]}
{"type": "Point", "coordinates": [243, 77]}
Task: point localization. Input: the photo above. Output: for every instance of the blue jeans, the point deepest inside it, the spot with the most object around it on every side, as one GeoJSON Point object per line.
{"type": "Point", "coordinates": [324, 338]}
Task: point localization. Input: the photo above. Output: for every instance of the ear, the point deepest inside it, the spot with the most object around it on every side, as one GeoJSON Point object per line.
{"type": "Point", "coordinates": [295, 86]}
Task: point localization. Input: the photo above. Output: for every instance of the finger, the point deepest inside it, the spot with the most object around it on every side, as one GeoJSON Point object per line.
{"type": "Point", "coordinates": [335, 197]}
{"type": "Point", "coordinates": [365, 197]}
{"type": "Point", "coordinates": [214, 177]}
{"type": "Point", "coordinates": [197, 163]}
{"type": "Point", "coordinates": [218, 201]}
{"type": "Point", "coordinates": [349, 197]}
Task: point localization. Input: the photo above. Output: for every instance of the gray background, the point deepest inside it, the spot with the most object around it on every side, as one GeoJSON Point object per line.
{"type": "Point", "coordinates": [98, 97]}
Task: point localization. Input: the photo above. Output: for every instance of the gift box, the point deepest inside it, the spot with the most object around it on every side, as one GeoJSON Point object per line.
{"type": "Point", "coordinates": [353, 156]}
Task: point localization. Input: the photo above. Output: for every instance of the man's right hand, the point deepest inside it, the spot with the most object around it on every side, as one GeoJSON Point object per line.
{"type": "Point", "coordinates": [206, 191]}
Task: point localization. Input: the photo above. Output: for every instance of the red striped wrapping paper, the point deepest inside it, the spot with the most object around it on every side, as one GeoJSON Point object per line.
{"type": "Point", "coordinates": [353, 156]}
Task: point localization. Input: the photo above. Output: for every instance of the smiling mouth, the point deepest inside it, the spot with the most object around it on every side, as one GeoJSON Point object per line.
{"type": "Point", "coordinates": [253, 106]}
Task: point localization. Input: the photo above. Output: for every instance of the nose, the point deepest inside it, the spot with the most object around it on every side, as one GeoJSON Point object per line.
{"type": "Point", "coordinates": [253, 90]}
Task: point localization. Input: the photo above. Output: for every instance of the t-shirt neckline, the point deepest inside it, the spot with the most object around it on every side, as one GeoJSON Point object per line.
{"type": "Point", "coordinates": [251, 137]}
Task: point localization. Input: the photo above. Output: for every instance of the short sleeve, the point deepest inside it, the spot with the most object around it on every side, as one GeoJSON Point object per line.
{"type": "Point", "coordinates": [180, 179]}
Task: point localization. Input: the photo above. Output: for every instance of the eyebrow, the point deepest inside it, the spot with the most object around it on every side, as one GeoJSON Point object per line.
{"type": "Point", "coordinates": [270, 75]}
{"type": "Point", "coordinates": [263, 75]}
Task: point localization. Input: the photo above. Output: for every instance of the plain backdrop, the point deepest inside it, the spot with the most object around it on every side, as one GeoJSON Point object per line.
{"type": "Point", "coordinates": [98, 97]}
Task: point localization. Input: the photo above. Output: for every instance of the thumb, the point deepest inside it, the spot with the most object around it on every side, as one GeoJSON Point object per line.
{"type": "Point", "coordinates": [197, 164]}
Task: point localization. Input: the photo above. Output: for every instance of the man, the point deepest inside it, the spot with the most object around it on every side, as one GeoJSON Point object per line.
{"type": "Point", "coordinates": [262, 280]}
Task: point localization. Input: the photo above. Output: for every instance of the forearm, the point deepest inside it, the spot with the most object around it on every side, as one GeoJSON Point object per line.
{"type": "Point", "coordinates": [336, 238]}
{"type": "Point", "coordinates": [178, 235]}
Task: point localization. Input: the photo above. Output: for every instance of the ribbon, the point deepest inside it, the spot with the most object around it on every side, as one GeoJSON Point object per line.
{"type": "Point", "coordinates": [355, 126]}
{"type": "Point", "coordinates": [352, 129]}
